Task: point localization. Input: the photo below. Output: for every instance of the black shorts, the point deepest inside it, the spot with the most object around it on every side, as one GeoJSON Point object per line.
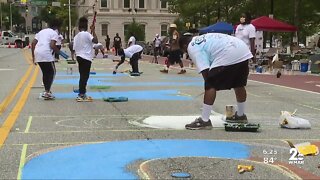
{"type": "Point", "coordinates": [175, 56]}
{"type": "Point", "coordinates": [227, 77]}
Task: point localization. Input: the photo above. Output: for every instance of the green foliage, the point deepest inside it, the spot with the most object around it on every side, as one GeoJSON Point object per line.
{"type": "Point", "coordinates": [17, 19]}
{"type": "Point", "coordinates": [137, 30]}
{"type": "Point", "coordinates": [62, 13]}
{"type": "Point", "coordinates": [304, 14]}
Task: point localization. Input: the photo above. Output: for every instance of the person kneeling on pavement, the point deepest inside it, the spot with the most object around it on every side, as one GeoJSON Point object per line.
{"type": "Point", "coordinates": [223, 62]}
{"type": "Point", "coordinates": [134, 53]}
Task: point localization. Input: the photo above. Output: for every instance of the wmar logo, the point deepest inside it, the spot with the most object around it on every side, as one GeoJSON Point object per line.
{"type": "Point", "coordinates": [296, 157]}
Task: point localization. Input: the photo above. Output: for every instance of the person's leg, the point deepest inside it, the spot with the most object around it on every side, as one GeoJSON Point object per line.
{"type": "Point", "coordinates": [117, 66]}
{"type": "Point", "coordinates": [116, 50]}
{"type": "Point", "coordinates": [208, 100]}
{"type": "Point", "coordinates": [134, 63]}
{"type": "Point", "coordinates": [241, 96]}
{"type": "Point", "coordinates": [45, 68]}
{"type": "Point", "coordinates": [48, 73]}
{"type": "Point", "coordinates": [84, 70]}
{"type": "Point", "coordinates": [102, 51]}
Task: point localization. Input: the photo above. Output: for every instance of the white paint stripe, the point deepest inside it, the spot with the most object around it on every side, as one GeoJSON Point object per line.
{"type": "Point", "coordinates": [176, 122]}
{"type": "Point", "coordinates": [3, 69]}
{"type": "Point", "coordinates": [286, 87]}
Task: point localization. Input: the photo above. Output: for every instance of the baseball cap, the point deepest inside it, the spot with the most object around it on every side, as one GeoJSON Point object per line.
{"type": "Point", "coordinates": [173, 25]}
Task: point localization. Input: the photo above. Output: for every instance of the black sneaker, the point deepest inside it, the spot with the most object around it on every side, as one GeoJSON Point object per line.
{"type": "Point", "coordinates": [237, 119]}
{"type": "Point", "coordinates": [199, 124]}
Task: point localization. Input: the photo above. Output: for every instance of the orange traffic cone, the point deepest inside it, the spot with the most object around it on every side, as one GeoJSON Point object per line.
{"type": "Point", "coordinates": [15, 45]}
{"type": "Point", "coordinates": [9, 46]}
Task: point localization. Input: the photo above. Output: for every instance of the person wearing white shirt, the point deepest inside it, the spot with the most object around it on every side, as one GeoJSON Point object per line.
{"type": "Point", "coordinates": [223, 62]}
{"type": "Point", "coordinates": [157, 47]}
{"type": "Point", "coordinates": [247, 32]}
{"type": "Point", "coordinates": [82, 45]}
{"type": "Point", "coordinates": [58, 44]}
{"type": "Point", "coordinates": [132, 40]}
{"type": "Point", "coordinates": [43, 48]}
{"type": "Point", "coordinates": [98, 47]}
{"type": "Point", "coordinates": [134, 53]}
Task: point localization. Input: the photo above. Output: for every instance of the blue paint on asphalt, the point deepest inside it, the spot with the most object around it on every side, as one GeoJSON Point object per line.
{"type": "Point", "coordinates": [110, 160]}
{"type": "Point", "coordinates": [106, 82]}
{"type": "Point", "coordinates": [161, 95]}
{"type": "Point", "coordinates": [98, 74]}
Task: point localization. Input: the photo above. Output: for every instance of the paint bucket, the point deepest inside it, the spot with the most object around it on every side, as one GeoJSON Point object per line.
{"type": "Point", "coordinates": [230, 111]}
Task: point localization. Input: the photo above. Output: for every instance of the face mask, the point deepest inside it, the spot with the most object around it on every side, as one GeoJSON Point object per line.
{"type": "Point", "coordinates": [242, 20]}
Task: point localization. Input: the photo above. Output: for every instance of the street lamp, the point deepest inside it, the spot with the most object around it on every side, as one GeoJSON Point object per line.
{"type": "Point", "coordinates": [11, 16]}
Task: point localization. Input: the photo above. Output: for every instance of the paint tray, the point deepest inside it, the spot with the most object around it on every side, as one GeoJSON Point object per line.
{"type": "Point", "coordinates": [115, 99]}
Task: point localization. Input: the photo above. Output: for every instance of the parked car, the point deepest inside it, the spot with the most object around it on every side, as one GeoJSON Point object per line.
{"type": "Point", "coordinates": [7, 37]}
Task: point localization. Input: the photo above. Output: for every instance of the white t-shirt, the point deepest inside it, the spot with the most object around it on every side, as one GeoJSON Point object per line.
{"type": "Point", "coordinates": [82, 45]}
{"type": "Point", "coordinates": [59, 40]}
{"type": "Point", "coordinates": [43, 51]}
{"type": "Point", "coordinates": [245, 32]}
{"type": "Point", "coordinates": [128, 52]}
{"type": "Point", "coordinates": [157, 41]}
{"type": "Point", "coordinates": [214, 49]}
{"type": "Point", "coordinates": [132, 39]}
{"type": "Point", "coordinates": [97, 46]}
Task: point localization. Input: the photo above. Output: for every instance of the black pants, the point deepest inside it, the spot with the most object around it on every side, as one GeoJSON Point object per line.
{"type": "Point", "coordinates": [133, 62]}
{"type": "Point", "coordinates": [48, 73]}
{"type": "Point", "coordinates": [116, 49]}
{"type": "Point", "coordinates": [84, 70]}
{"type": "Point", "coordinates": [56, 55]}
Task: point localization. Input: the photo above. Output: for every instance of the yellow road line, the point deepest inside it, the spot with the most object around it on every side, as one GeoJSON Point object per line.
{"type": "Point", "coordinates": [13, 93]}
{"type": "Point", "coordinates": [22, 160]}
{"type": "Point", "coordinates": [14, 114]}
{"type": "Point", "coordinates": [28, 125]}
{"type": "Point", "coordinates": [27, 56]}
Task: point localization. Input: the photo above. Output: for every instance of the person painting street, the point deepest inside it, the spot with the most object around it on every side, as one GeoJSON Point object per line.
{"type": "Point", "coordinates": [82, 45]}
{"type": "Point", "coordinates": [134, 53]}
{"type": "Point", "coordinates": [247, 33]}
{"type": "Point", "coordinates": [43, 47]}
{"type": "Point", "coordinates": [223, 62]}
{"type": "Point", "coordinates": [175, 53]}
{"type": "Point", "coordinates": [98, 47]}
{"type": "Point", "coordinates": [132, 40]}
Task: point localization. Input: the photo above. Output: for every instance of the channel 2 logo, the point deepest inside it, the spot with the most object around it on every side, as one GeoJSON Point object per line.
{"type": "Point", "coordinates": [296, 157]}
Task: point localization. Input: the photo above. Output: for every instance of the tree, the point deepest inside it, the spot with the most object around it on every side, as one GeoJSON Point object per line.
{"type": "Point", "coordinates": [304, 14]}
{"type": "Point", "coordinates": [136, 29]}
{"type": "Point", "coordinates": [17, 19]}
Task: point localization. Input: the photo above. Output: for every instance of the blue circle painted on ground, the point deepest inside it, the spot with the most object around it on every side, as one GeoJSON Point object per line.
{"type": "Point", "coordinates": [109, 160]}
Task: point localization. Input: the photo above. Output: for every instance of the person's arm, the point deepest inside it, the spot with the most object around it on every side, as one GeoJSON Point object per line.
{"type": "Point", "coordinates": [54, 47]}
{"type": "Point", "coordinates": [95, 38]}
{"type": "Point", "coordinates": [33, 45]}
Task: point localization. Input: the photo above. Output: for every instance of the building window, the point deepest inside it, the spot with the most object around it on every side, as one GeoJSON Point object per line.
{"type": "Point", "coordinates": [141, 4]}
{"type": "Point", "coordinates": [104, 3]}
{"type": "Point", "coordinates": [104, 29]}
{"type": "Point", "coordinates": [164, 30]}
{"type": "Point", "coordinates": [163, 4]}
{"type": "Point", "coordinates": [126, 3]}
